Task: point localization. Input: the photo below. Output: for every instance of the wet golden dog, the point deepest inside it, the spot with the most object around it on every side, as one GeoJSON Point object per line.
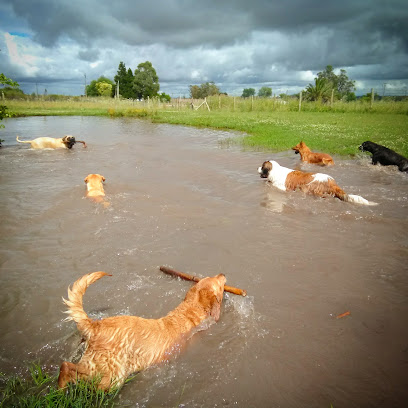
{"type": "Point", "coordinates": [308, 156]}
{"type": "Point", "coordinates": [119, 346]}
{"type": "Point", "coordinates": [94, 186]}
{"type": "Point", "coordinates": [66, 142]}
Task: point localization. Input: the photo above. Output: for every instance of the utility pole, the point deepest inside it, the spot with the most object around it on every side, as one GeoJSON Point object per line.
{"type": "Point", "coordinates": [85, 85]}
{"type": "Point", "coordinates": [384, 85]}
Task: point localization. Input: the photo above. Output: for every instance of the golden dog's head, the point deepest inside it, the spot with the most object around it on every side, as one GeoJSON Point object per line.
{"type": "Point", "coordinates": [94, 178]}
{"type": "Point", "coordinates": [69, 141]}
{"type": "Point", "coordinates": [299, 147]}
{"type": "Point", "coordinates": [208, 294]}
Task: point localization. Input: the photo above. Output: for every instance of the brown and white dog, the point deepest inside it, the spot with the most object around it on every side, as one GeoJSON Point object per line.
{"type": "Point", "coordinates": [308, 156]}
{"type": "Point", "coordinates": [318, 184]}
{"type": "Point", "coordinates": [66, 142]}
{"type": "Point", "coordinates": [119, 346]}
{"type": "Point", "coordinates": [94, 188]}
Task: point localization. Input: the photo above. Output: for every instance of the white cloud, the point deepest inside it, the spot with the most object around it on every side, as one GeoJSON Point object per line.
{"type": "Point", "coordinates": [19, 51]}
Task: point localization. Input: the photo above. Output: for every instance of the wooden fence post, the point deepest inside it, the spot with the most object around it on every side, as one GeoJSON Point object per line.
{"type": "Point", "coordinates": [252, 102]}
{"type": "Point", "coordinates": [372, 97]}
{"type": "Point", "coordinates": [332, 98]}
{"type": "Point", "coordinates": [300, 101]}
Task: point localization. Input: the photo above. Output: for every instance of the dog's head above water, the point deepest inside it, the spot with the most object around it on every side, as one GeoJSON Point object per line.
{"type": "Point", "coordinates": [69, 141]}
{"type": "Point", "coordinates": [208, 294]}
{"type": "Point", "coordinates": [265, 169]}
{"type": "Point", "coordinates": [368, 146]}
{"type": "Point", "coordinates": [300, 146]}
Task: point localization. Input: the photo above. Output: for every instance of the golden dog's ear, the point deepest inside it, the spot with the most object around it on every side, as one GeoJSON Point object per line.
{"type": "Point", "coordinates": [103, 178]}
{"type": "Point", "coordinates": [86, 179]}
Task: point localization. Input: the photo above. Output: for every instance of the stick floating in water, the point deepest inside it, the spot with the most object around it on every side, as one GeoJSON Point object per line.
{"type": "Point", "coordinates": [343, 315]}
{"type": "Point", "coordinates": [186, 276]}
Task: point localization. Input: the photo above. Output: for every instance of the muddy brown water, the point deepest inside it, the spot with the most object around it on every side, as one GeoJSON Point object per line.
{"type": "Point", "coordinates": [181, 197]}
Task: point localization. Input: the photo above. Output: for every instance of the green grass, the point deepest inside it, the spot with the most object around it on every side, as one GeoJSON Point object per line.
{"type": "Point", "coordinates": [39, 389]}
{"type": "Point", "coordinates": [331, 132]}
{"type": "Point", "coordinates": [267, 124]}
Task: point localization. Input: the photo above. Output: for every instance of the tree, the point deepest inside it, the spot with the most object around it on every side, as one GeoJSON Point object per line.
{"type": "Point", "coordinates": [145, 81]}
{"type": "Point", "coordinates": [125, 79]}
{"type": "Point", "coordinates": [94, 90]}
{"type": "Point", "coordinates": [3, 109]}
{"type": "Point", "coordinates": [164, 97]}
{"type": "Point", "coordinates": [320, 91]}
{"type": "Point", "coordinates": [247, 92]}
{"type": "Point", "coordinates": [104, 89]}
{"type": "Point", "coordinates": [341, 84]}
{"type": "Point", "coordinates": [204, 90]}
{"type": "Point", "coordinates": [128, 91]}
{"type": "Point", "coordinates": [265, 92]}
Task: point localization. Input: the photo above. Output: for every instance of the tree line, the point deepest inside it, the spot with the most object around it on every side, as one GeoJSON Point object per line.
{"type": "Point", "coordinates": [142, 84]}
{"type": "Point", "coordinates": [326, 85]}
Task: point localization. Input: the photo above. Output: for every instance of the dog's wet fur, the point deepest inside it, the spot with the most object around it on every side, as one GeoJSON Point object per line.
{"type": "Point", "coordinates": [385, 156]}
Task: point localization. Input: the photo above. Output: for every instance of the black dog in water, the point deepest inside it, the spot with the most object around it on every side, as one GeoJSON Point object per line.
{"type": "Point", "coordinates": [385, 156]}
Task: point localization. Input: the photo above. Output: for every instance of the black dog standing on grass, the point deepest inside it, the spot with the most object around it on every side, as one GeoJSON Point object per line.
{"type": "Point", "coordinates": [385, 156]}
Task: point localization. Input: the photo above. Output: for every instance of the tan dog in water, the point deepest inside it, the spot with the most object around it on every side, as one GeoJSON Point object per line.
{"type": "Point", "coordinates": [119, 346]}
{"type": "Point", "coordinates": [308, 156]}
{"type": "Point", "coordinates": [65, 142]}
{"type": "Point", "coordinates": [94, 186]}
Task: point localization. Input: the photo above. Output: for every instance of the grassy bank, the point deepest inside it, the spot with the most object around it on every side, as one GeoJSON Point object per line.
{"type": "Point", "coordinates": [38, 389]}
{"type": "Point", "coordinates": [267, 124]}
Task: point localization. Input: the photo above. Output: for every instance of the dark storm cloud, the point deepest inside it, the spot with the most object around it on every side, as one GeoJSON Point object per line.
{"type": "Point", "coordinates": [229, 42]}
{"type": "Point", "coordinates": [89, 55]}
{"type": "Point", "coordinates": [213, 22]}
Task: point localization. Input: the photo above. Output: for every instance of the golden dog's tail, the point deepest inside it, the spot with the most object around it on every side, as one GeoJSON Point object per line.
{"type": "Point", "coordinates": [75, 310]}
{"type": "Point", "coordinates": [22, 141]}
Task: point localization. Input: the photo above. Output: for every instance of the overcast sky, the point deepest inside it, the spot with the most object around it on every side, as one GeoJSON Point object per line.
{"type": "Point", "coordinates": [282, 44]}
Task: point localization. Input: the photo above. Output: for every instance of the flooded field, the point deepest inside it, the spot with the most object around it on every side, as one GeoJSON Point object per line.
{"type": "Point", "coordinates": [182, 197]}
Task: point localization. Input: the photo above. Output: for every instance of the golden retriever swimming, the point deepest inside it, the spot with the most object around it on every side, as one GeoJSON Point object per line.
{"type": "Point", "coordinates": [66, 142]}
{"type": "Point", "coordinates": [94, 187]}
{"type": "Point", "coordinates": [308, 156]}
{"type": "Point", "coordinates": [119, 346]}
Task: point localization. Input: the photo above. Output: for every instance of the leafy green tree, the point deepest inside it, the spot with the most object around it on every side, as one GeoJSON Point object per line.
{"type": "Point", "coordinates": [247, 92]}
{"type": "Point", "coordinates": [195, 92]}
{"type": "Point", "coordinates": [265, 92]}
{"type": "Point", "coordinates": [93, 90]}
{"type": "Point", "coordinates": [104, 89]}
{"type": "Point", "coordinates": [3, 109]}
{"type": "Point", "coordinates": [7, 81]}
{"type": "Point", "coordinates": [204, 90]}
{"type": "Point", "coordinates": [164, 97]}
{"type": "Point", "coordinates": [13, 93]}
{"type": "Point", "coordinates": [145, 81]}
{"type": "Point", "coordinates": [320, 91]}
{"type": "Point", "coordinates": [342, 85]}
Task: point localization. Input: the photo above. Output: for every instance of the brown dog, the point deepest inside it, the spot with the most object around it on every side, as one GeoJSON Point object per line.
{"type": "Point", "coordinates": [65, 142]}
{"type": "Point", "coordinates": [119, 346]}
{"type": "Point", "coordinates": [94, 186]}
{"type": "Point", "coordinates": [308, 156]}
